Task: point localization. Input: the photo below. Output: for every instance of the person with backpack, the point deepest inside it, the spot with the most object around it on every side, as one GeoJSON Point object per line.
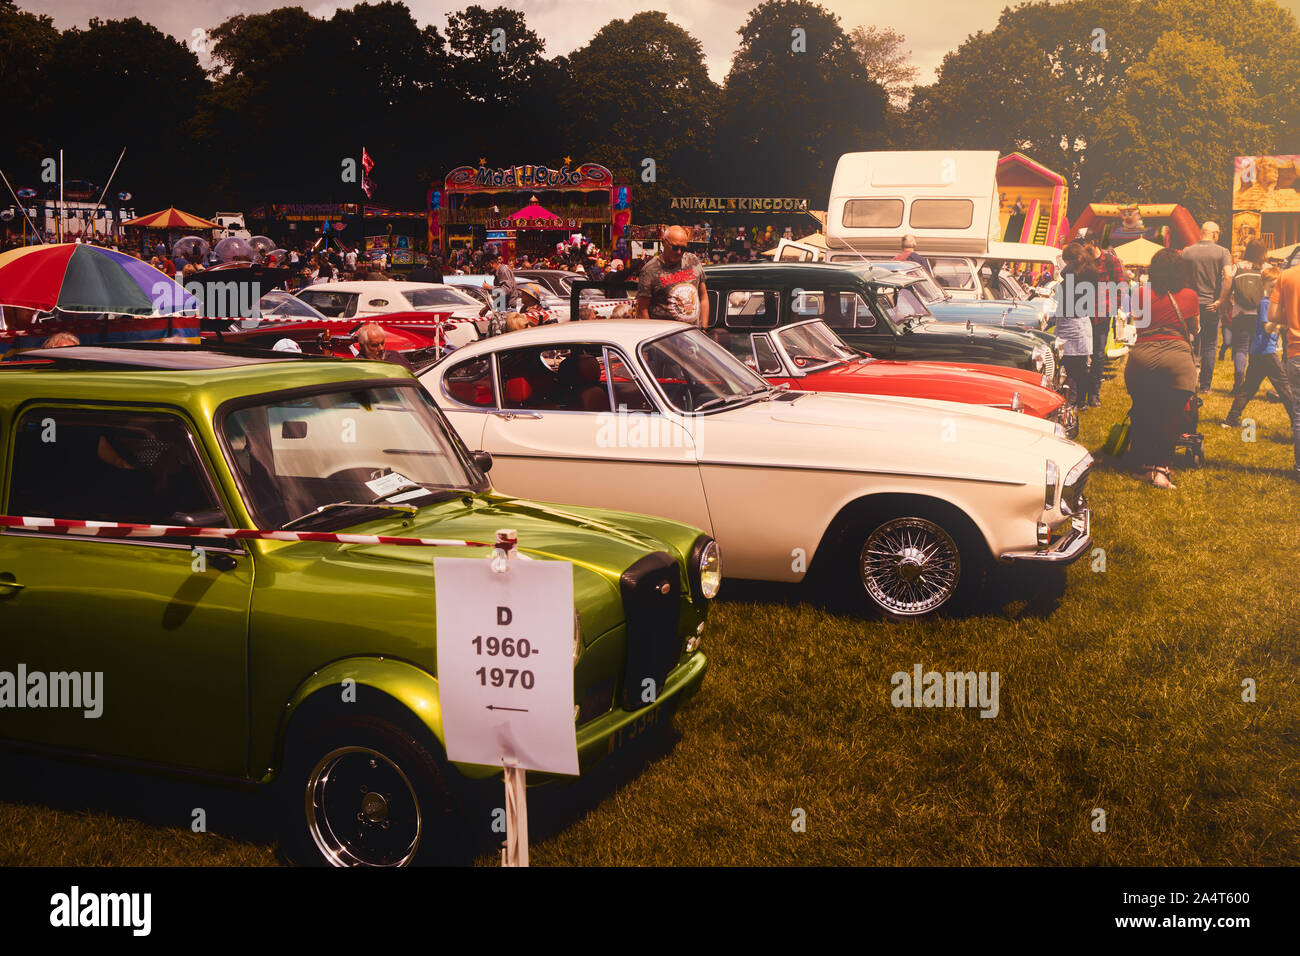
{"type": "Point", "coordinates": [1264, 361]}
{"type": "Point", "coordinates": [1247, 293]}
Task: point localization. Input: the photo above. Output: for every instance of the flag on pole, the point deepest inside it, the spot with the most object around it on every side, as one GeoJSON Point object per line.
{"type": "Point", "coordinates": [367, 164]}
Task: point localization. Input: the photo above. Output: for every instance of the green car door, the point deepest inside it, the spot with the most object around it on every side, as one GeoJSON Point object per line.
{"type": "Point", "coordinates": [156, 631]}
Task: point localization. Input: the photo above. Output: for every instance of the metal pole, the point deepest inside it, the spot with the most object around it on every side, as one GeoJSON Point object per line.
{"type": "Point", "coordinates": [515, 851]}
{"type": "Point", "coordinates": [21, 207]}
{"type": "Point", "coordinates": [108, 219]}
{"type": "Point", "coordinates": [58, 220]}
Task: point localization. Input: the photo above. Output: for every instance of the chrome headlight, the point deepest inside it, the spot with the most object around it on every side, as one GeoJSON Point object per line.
{"type": "Point", "coordinates": [1077, 471]}
{"type": "Point", "coordinates": [706, 567]}
{"type": "Point", "coordinates": [1049, 485]}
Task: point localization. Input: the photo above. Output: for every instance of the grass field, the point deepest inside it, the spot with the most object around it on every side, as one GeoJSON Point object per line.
{"type": "Point", "coordinates": [1123, 693]}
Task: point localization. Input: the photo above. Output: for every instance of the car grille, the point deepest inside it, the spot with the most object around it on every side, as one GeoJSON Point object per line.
{"type": "Point", "coordinates": [1049, 366]}
{"type": "Point", "coordinates": [651, 602]}
{"type": "Point", "coordinates": [1067, 416]}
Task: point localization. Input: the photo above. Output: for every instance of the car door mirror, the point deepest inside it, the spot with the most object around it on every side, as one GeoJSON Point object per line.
{"type": "Point", "coordinates": [483, 460]}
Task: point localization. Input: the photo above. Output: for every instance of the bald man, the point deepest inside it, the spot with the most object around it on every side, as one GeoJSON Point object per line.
{"type": "Point", "coordinates": [671, 285]}
{"type": "Point", "coordinates": [371, 339]}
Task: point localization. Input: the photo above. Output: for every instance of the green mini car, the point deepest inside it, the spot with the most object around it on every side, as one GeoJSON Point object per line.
{"type": "Point", "coordinates": [307, 666]}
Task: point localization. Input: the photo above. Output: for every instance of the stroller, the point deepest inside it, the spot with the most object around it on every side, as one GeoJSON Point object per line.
{"type": "Point", "coordinates": [1189, 441]}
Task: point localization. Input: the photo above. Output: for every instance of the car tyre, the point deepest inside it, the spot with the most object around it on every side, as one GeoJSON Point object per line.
{"type": "Point", "coordinates": [914, 564]}
{"type": "Point", "coordinates": [363, 792]}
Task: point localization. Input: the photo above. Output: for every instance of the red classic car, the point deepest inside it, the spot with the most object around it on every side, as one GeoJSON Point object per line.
{"type": "Point", "coordinates": [810, 357]}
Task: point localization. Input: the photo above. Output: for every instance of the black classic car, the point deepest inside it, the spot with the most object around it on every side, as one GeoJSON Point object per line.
{"type": "Point", "coordinates": [871, 308]}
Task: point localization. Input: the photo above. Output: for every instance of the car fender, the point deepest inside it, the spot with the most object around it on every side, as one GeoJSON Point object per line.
{"type": "Point", "coordinates": [387, 687]}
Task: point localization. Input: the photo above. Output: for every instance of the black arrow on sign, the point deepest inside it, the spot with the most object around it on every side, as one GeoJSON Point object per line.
{"type": "Point", "coordinates": [522, 710]}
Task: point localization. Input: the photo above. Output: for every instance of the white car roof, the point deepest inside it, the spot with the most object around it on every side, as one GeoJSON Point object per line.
{"type": "Point", "coordinates": [372, 286]}
{"type": "Point", "coordinates": [625, 333]}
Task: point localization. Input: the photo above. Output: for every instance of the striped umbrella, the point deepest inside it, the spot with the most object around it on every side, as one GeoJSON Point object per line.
{"type": "Point", "coordinates": [71, 277]}
{"type": "Point", "coordinates": [172, 218]}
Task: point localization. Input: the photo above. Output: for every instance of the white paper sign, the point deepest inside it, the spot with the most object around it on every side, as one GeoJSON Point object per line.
{"type": "Point", "coordinates": [505, 663]}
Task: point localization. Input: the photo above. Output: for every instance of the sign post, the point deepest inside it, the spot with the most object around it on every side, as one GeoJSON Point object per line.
{"type": "Point", "coordinates": [505, 671]}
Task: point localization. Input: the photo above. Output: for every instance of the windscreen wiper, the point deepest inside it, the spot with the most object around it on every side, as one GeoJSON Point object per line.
{"type": "Point", "coordinates": [335, 505]}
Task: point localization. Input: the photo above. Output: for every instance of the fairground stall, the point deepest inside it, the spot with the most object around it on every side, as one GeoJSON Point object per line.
{"type": "Point", "coordinates": [527, 209]}
{"type": "Point", "coordinates": [1265, 201]}
{"type": "Point", "coordinates": [372, 227]}
{"type": "Point", "coordinates": [1166, 224]}
{"type": "Point", "coordinates": [1031, 201]}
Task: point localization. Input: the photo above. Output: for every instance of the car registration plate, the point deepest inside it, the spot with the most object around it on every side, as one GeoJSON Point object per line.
{"type": "Point", "coordinates": [630, 731]}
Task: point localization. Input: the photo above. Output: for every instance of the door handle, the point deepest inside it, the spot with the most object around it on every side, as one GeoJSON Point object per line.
{"type": "Point", "coordinates": [511, 416]}
{"type": "Point", "coordinates": [9, 584]}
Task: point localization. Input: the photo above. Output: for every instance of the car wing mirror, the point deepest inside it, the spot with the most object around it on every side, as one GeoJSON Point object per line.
{"type": "Point", "coordinates": [483, 459]}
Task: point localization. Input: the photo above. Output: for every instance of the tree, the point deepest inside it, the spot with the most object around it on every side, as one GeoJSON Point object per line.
{"type": "Point", "coordinates": [295, 112]}
{"type": "Point", "coordinates": [1049, 75]}
{"type": "Point", "coordinates": [1177, 128]}
{"type": "Point", "coordinates": [26, 45]}
{"type": "Point", "coordinates": [503, 81]}
{"type": "Point", "coordinates": [881, 51]}
{"type": "Point", "coordinates": [657, 104]}
{"type": "Point", "coordinates": [793, 102]}
{"type": "Point", "coordinates": [125, 83]}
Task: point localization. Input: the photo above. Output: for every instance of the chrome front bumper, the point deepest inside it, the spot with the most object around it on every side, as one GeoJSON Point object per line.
{"type": "Point", "coordinates": [1065, 550]}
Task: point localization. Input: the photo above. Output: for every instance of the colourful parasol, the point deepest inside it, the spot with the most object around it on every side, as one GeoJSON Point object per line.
{"type": "Point", "coordinates": [172, 218]}
{"type": "Point", "coordinates": [71, 277]}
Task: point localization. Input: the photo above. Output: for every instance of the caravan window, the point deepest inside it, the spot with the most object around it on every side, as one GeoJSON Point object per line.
{"type": "Point", "coordinates": [941, 214]}
{"type": "Point", "coordinates": [873, 213]}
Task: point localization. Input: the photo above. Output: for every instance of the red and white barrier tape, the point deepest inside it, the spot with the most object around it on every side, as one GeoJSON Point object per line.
{"type": "Point", "coordinates": [118, 529]}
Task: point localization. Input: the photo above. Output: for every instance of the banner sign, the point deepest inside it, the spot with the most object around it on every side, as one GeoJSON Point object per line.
{"type": "Point", "coordinates": [585, 176]}
{"type": "Point", "coordinates": [505, 663]}
{"type": "Point", "coordinates": [567, 225]}
{"type": "Point", "coordinates": [737, 204]}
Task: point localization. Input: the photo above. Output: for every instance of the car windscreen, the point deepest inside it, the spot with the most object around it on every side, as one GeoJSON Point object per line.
{"type": "Point", "coordinates": [435, 298]}
{"type": "Point", "coordinates": [334, 305]}
{"type": "Point", "coordinates": [283, 304]}
{"type": "Point", "coordinates": [695, 373]}
{"type": "Point", "coordinates": [902, 304]}
{"type": "Point", "coordinates": [812, 345]}
{"type": "Point", "coordinates": [362, 445]}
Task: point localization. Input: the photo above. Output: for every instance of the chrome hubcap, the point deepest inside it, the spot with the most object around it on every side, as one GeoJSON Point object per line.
{"type": "Point", "coordinates": [362, 809]}
{"type": "Point", "coordinates": [910, 566]}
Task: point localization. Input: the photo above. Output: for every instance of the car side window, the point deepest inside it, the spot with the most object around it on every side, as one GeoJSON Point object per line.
{"type": "Point", "coordinates": [765, 356]}
{"type": "Point", "coordinates": [751, 309]}
{"type": "Point", "coordinates": [628, 394]}
{"type": "Point", "coordinates": [108, 465]}
{"type": "Point", "coordinates": [569, 379]}
{"type": "Point", "coordinates": [470, 382]}
{"type": "Point", "coordinates": [952, 273]}
{"type": "Point", "coordinates": [838, 308]}
{"type": "Point", "coordinates": [737, 343]}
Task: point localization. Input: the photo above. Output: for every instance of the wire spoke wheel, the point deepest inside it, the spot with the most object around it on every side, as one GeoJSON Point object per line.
{"type": "Point", "coordinates": [910, 566]}
{"type": "Point", "coordinates": [362, 809]}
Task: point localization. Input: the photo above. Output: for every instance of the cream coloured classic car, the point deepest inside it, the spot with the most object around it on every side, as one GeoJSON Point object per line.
{"type": "Point", "coordinates": [907, 501]}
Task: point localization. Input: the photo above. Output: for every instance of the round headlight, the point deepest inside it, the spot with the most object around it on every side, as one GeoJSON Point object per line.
{"type": "Point", "coordinates": [710, 570]}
